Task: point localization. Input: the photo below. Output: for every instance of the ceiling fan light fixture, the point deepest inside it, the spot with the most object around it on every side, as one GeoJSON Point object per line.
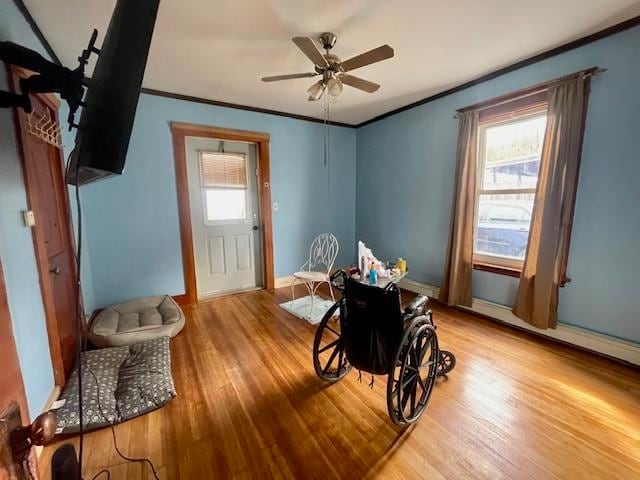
{"type": "Point", "coordinates": [316, 90]}
{"type": "Point", "coordinates": [334, 87]}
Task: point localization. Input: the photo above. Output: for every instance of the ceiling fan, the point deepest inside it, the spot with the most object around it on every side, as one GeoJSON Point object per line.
{"type": "Point", "coordinates": [332, 69]}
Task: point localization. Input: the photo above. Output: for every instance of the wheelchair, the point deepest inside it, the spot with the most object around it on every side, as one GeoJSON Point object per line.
{"type": "Point", "coordinates": [374, 335]}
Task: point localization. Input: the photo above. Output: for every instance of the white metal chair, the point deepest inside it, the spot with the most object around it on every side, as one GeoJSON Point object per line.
{"type": "Point", "coordinates": [316, 270]}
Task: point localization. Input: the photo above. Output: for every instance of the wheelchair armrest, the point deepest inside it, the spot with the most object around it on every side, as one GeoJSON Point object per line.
{"type": "Point", "coordinates": [416, 307]}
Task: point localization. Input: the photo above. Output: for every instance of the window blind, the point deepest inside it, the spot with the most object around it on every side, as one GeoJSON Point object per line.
{"type": "Point", "coordinates": [223, 170]}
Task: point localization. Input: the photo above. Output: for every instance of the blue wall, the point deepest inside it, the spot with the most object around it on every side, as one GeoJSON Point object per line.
{"type": "Point", "coordinates": [16, 243]}
{"type": "Point", "coordinates": [132, 220]}
{"type": "Point", "coordinates": [412, 154]}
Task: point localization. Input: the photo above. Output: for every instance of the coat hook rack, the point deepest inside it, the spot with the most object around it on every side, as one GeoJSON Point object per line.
{"type": "Point", "coordinates": [45, 128]}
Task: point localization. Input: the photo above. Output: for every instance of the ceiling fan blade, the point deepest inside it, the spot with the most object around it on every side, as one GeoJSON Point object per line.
{"type": "Point", "coordinates": [367, 58]}
{"type": "Point", "coordinates": [310, 49]}
{"type": "Point", "coordinates": [359, 83]}
{"type": "Point", "coordinates": [275, 78]}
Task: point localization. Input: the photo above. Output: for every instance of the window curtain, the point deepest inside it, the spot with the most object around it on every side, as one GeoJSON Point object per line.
{"type": "Point", "coordinates": [544, 266]}
{"type": "Point", "coordinates": [456, 285]}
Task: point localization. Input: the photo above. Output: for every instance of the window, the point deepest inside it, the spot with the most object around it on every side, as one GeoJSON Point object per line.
{"type": "Point", "coordinates": [509, 151]}
{"type": "Point", "coordinates": [224, 183]}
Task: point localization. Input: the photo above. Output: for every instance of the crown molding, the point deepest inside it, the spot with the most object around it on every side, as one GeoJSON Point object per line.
{"type": "Point", "coordinates": [218, 103]}
{"type": "Point", "coordinates": [607, 32]}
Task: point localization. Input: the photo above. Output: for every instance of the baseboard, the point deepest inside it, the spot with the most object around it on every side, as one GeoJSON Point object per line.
{"type": "Point", "coordinates": [283, 282]}
{"type": "Point", "coordinates": [596, 342]}
{"type": "Point", "coordinates": [182, 299]}
{"type": "Point", "coordinates": [53, 396]}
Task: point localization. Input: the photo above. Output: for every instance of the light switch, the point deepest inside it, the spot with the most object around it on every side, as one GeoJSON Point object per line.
{"type": "Point", "coordinates": [275, 206]}
{"type": "Point", "coordinates": [28, 218]}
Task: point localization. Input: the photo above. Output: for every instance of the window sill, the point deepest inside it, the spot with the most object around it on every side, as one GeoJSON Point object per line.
{"type": "Point", "coordinates": [500, 270]}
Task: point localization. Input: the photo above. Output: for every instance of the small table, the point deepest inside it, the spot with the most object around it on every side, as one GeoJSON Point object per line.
{"type": "Point", "coordinates": [383, 282]}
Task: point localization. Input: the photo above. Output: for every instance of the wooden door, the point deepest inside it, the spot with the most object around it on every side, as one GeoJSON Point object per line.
{"type": "Point", "coordinates": [11, 387]}
{"type": "Point", "coordinates": [43, 171]}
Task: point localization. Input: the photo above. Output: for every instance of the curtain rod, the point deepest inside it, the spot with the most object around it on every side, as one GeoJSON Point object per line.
{"type": "Point", "coordinates": [525, 92]}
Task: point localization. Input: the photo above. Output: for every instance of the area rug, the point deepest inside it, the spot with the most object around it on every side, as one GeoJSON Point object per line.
{"type": "Point", "coordinates": [301, 307]}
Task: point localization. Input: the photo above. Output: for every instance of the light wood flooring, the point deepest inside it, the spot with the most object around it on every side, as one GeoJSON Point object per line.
{"type": "Point", "coordinates": [250, 406]}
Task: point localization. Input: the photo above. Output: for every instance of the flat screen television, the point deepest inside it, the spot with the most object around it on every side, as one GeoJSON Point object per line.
{"type": "Point", "coordinates": [112, 95]}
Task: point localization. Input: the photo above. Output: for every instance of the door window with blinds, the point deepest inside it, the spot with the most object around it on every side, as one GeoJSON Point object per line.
{"type": "Point", "coordinates": [224, 182]}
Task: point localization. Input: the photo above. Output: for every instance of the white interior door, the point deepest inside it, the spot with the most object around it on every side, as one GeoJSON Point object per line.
{"type": "Point", "coordinates": [223, 195]}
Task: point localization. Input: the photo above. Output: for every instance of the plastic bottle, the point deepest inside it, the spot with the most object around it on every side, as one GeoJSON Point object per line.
{"type": "Point", "coordinates": [373, 274]}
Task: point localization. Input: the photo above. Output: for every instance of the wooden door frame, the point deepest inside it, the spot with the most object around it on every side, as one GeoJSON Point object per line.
{"type": "Point", "coordinates": [10, 350]}
{"type": "Point", "coordinates": [15, 396]}
{"type": "Point", "coordinates": [179, 132]}
{"type": "Point", "coordinates": [40, 251]}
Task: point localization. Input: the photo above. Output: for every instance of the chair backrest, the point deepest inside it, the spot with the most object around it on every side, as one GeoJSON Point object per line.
{"type": "Point", "coordinates": [323, 252]}
{"type": "Point", "coordinates": [372, 323]}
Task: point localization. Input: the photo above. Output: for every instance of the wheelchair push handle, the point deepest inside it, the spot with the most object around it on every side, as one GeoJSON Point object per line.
{"type": "Point", "coordinates": [416, 306]}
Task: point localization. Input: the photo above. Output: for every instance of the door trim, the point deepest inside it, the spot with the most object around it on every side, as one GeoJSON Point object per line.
{"type": "Point", "coordinates": [48, 302]}
{"type": "Point", "coordinates": [9, 351]}
{"type": "Point", "coordinates": [179, 132]}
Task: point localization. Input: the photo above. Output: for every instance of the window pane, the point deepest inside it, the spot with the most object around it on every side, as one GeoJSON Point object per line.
{"type": "Point", "coordinates": [512, 154]}
{"type": "Point", "coordinates": [225, 204]}
{"type": "Point", "coordinates": [503, 225]}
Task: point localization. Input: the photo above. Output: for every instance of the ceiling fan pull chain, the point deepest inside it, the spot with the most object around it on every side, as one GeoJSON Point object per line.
{"type": "Point", "coordinates": [329, 146]}
{"type": "Point", "coordinates": [326, 119]}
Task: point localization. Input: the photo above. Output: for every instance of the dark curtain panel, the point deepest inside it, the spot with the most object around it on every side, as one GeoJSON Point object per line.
{"type": "Point", "coordinates": [456, 284]}
{"type": "Point", "coordinates": [547, 252]}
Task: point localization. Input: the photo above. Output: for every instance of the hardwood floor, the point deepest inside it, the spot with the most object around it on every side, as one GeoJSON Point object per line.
{"type": "Point", "coordinates": [249, 405]}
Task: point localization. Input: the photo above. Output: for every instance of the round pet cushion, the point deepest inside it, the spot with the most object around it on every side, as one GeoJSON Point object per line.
{"type": "Point", "coordinates": [137, 321]}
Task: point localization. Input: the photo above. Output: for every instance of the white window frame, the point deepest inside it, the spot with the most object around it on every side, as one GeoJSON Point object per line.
{"type": "Point", "coordinates": [488, 259]}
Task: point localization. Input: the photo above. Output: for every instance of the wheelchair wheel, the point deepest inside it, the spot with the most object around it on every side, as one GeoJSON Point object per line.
{"type": "Point", "coordinates": [412, 376]}
{"type": "Point", "coordinates": [329, 359]}
{"type": "Point", "coordinates": [447, 362]}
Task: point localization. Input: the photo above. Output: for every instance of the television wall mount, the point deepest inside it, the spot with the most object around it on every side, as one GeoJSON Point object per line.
{"type": "Point", "coordinates": [49, 77]}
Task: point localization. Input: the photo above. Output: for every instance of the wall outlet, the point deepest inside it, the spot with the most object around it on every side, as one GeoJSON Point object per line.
{"type": "Point", "coordinates": [28, 218]}
{"type": "Point", "coordinates": [275, 206]}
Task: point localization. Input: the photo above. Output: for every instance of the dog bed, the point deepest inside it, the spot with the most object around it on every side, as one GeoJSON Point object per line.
{"type": "Point", "coordinates": [137, 321]}
{"type": "Point", "coordinates": [118, 383]}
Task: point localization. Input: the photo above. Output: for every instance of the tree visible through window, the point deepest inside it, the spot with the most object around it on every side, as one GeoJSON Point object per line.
{"type": "Point", "coordinates": [508, 165]}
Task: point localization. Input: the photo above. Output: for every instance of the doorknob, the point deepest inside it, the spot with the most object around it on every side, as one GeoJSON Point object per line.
{"type": "Point", "coordinates": [255, 227]}
{"type": "Point", "coordinates": [55, 270]}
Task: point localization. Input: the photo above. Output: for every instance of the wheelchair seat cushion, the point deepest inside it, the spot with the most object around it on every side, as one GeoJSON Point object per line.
{"type": "Point", "coordinates": [373, 326]}
{"type": "Point", "coordinates": [136, 321]}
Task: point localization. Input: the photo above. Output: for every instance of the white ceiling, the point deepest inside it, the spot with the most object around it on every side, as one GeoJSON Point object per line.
{"type": "Point", "coordinates": [219, 49]}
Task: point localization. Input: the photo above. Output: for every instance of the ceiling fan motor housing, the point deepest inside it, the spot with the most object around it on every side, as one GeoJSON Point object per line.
{"type": "Point", "coordinates": [333, 68]}
{"type": "Point", "coordinates": [328, 40]}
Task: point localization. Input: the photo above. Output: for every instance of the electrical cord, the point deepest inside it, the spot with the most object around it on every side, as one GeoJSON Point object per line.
{"type": "Point", "coordinates": [101, 472]}
{"type": "Point", "coordinates": [79, 317]}
{"type": "Point", "coordinates": [113, 432]}
{"type": "Point", "coordinates": [82, 347]}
